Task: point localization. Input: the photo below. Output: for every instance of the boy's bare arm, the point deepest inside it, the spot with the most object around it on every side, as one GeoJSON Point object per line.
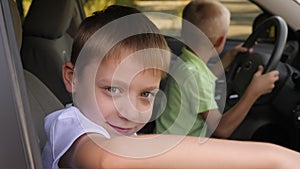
{"type": "Point", "coordinates": [230, 55]}
{"type": "Point", "coordinates": [226, 60]}
{"type": "Point", "coordinates": [260, 84]}
{"type": "Point", "coordinates": [188, 153]}
{"type": "Point", "coordinates": [231, 119]}
{"type": "Point", "coordinates": [225, 125]}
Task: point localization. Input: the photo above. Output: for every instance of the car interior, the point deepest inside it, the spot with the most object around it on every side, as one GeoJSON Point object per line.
{"type": "Point", "coordinates": [47, 43]}
{"type": "Point", "coordinates": [44, 42]}
{"type": "Point", "coordinates": [41, 99]}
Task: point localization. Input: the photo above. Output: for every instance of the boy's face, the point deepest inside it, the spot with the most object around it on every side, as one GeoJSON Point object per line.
{"type": "Point", "coordinates": [125, 94]}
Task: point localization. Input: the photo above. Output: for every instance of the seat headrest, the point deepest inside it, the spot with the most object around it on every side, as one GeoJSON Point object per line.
{"type": "Point", "coordinates": [50, 18]}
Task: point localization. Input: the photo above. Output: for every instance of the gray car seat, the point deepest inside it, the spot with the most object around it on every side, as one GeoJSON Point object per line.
{"type": "Point", "coordinates": [41, 100]}
{"type": "Point", "coordinates": [47, 41]}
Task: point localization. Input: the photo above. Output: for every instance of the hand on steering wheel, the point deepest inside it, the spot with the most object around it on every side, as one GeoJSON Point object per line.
{"type": "Point", "coordinates": [245, 65]}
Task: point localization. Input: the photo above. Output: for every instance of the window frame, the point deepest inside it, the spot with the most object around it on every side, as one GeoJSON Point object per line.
{"type": "Point", "coordinates": [19, 148]}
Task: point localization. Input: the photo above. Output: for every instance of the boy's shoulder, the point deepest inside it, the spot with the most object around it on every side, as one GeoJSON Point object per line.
{"type": "Point", "coordinates": [71, 118]}
{"type": "Point", "coordinates": [68, 111]}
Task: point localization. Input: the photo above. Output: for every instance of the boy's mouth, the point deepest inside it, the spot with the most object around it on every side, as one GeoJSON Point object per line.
{"type": "Point", "coordinates": [121, 129]}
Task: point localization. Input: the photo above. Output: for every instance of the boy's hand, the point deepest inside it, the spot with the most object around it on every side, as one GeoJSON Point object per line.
{"type": "Point", "coordinates": [262, 83]}
{"type": "Point", "coordinates": [230, 55]}
{"type": "Point", "coordinates": [239, 48]}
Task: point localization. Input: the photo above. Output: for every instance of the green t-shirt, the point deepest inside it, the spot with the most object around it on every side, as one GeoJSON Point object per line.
{"type": "Point", "coordinates": [189, 92]}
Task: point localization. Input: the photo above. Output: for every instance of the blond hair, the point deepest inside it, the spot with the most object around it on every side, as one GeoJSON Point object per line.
{"type": "Point", "coordinates": [147, 37]}
{"type": "Point", "coordinates": [210, 16]}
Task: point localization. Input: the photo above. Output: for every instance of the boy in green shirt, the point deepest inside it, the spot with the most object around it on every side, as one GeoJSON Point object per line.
{"type": "Point", "coordinates": [191, 108]}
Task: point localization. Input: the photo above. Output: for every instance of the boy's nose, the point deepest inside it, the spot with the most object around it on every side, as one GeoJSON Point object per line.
{"type": "Point", "coordinates": [131, 109]}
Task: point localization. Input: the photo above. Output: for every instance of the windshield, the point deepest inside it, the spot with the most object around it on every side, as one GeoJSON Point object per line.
{"type": "Point", "coordinates": [243, 13]}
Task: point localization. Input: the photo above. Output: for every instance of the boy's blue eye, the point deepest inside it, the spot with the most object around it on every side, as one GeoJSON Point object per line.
{"type": "Point", "coordinates": [113, 90]}
{"type": "Point", "coordinates": [148, 94]}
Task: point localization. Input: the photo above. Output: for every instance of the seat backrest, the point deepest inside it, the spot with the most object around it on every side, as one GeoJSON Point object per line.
{"type": "Point", "coordinates": [41, 100]}
{"type": "Point", "coordinates": [175, 44]}
{"type": "Point", "coordinates": [47, 41]}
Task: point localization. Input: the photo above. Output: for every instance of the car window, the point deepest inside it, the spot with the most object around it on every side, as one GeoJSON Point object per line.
{"type": "Point", "coordinates": [26, 4]}
{"type": "Point", "coordinates": [17, 143]}
{"type": "Point", "coordinates": [23, 6]}
{"type": "Point", "coordinates": [243, 13]}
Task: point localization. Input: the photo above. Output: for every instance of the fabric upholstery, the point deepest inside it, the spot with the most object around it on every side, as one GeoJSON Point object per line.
{"type": "Point", "coordinates": [51, 18]}
{"type": "Point", "coordinates": [42, 102]}
{"type": "Point", "coordinates": [47, 41]}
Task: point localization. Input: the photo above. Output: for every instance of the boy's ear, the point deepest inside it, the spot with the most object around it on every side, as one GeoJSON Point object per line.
{"type": "Point", "coordinates": [219, 43]}
{"type": "Point", "coordinates": [67, 74]}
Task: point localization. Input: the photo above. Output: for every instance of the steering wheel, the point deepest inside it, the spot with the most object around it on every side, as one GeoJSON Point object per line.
{"type": "Point", "coordinates": [245, 65]}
